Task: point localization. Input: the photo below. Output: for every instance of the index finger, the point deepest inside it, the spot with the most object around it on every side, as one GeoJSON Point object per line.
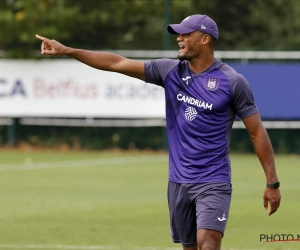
{"type": "Point", "coordinates": [42, 38]}
{"type": "Point", "coordinates": [273, 208]}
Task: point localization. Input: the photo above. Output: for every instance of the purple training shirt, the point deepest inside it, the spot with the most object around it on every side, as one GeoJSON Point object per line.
{"type": "Point", "coordinates": [200, 110]}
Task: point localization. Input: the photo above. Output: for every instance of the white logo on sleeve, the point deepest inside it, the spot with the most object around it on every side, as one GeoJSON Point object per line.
{"type": "Point", "coordinates": [223, 218]}
{"type": "Point", "coordinates": [186, 80]}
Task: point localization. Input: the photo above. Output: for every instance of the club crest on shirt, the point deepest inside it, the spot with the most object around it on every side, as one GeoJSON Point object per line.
{"type": "Point", "coordinates": [211, 83]}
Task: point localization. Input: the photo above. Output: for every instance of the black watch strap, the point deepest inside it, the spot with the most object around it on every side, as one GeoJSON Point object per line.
{"type": "Point", "coordinates": [274, 185]}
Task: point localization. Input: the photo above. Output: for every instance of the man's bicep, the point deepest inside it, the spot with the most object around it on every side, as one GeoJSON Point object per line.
{"type": "Point", "coordinates": [253, 124]}
{"type": "Point", "coordinates": [131, 68]}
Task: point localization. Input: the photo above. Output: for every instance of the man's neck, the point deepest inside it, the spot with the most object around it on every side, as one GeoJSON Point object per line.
{"type": "Point", "coordinates": [200, 64]}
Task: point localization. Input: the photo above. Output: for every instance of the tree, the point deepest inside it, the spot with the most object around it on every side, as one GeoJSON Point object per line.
{"type": "Point", "coordinates": [139, 24]}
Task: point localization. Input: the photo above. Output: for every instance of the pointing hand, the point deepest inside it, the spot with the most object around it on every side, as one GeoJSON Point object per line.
{"type": "Point", "coordinates": [51, 47]}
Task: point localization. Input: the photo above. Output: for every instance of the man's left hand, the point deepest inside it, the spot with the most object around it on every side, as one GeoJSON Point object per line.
{"type": "Point", "coordinates": [273, 197]}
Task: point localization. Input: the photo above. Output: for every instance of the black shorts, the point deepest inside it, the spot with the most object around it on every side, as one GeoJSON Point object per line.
{"type": "Point", "coordinates": [196, 206]}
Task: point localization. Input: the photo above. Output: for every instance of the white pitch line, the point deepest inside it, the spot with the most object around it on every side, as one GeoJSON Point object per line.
{"type": "Point", "coordinates": [85, 163]}
{"type": "Point", "coordinates": [73, 247]}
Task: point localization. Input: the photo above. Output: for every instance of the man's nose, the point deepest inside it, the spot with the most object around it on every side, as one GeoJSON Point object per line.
{"type": "Point", "coordinates": [179, 38]}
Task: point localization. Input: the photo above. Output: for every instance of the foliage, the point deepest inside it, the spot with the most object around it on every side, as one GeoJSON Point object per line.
{"type": "Point", "coordinates": [91, 138]}
{"type": "Point", "coordinates": [284, 141]}
{"type": "Point", "coordinates": [140, 24]}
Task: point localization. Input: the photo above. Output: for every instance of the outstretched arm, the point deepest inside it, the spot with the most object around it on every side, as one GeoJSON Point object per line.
{"type": "Point", "coordinates": [264, 151]}
{"type": "Point", "coordinates": [99, 60]}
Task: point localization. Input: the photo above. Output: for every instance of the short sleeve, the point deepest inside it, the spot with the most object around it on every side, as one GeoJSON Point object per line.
{"type": "Point", "coordinates": [157, 70]}
{"type": "Point", "coordinates": [243, 100]}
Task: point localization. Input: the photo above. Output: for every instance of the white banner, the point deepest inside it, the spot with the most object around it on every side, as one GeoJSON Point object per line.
{"type": "Point", "coordinates": [68, 88]}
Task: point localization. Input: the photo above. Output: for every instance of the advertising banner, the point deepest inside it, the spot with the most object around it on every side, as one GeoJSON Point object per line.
{"type": "Point", "coordinates": [276, 88]}
{"type": "Point", "coordinates": [68, 88]}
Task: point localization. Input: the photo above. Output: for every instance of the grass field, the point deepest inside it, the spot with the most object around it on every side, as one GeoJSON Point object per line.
{"type": "Point", "coordinates": [110, 201]}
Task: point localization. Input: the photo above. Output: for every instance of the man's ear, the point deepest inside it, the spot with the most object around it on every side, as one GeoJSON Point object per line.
{"type": "Point", "coordinates": [206, 39]}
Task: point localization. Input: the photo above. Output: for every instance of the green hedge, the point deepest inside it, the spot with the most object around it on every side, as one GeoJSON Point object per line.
{"type": "Point", "coordinates": [87, 137]}
{"type": "Point", "coordinates": [284, 141]}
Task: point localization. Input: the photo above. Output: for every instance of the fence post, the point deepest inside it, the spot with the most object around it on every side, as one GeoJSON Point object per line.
{"type": "Point", "coordinates": [167, 21]}
{"type": "Point", "coordinates": [11, 129]}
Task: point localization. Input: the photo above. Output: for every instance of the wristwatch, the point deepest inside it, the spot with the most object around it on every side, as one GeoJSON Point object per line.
{"type": "Point", "coordinates": [274, 185]}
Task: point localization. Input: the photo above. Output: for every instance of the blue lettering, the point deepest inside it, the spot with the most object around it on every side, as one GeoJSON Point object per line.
{"type": "Point", "coordinates": [18, 89]}
{"type": "Point", "coordinates": [110, 91]}
{"type": "Point", "coordinates": [132, 92]}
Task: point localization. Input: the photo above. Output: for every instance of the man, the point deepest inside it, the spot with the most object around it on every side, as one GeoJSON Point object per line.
{"type": "Point", "coordinates": [203, 96]}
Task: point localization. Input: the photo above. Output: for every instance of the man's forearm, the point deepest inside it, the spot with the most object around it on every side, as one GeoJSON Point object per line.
{"type": "Point", "coordinates": [99, 60]}
{"type": "Point", "coordinates": [264, 151]}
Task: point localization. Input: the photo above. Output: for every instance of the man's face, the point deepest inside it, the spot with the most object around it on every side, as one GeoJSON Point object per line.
{"type": "Point", "coordinates": [189, 45]}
